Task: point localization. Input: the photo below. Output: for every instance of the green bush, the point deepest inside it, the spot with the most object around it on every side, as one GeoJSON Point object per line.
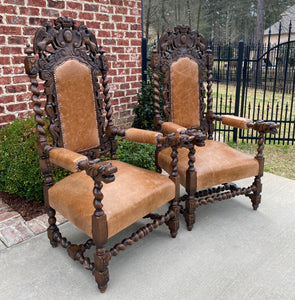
{"type": "Point", "coordinates": [19, 162]}
{"type": "Point", "coordinates": [144, 110]}
{"type": "Point", "coordinates": [137, 154]}
{"type": "Point", "coordinates": [19, 165]}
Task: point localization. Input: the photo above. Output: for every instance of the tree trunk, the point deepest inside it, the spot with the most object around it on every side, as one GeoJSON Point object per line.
{"type": "Point", "coordinates": [163, 17]}
{"type": "Point", "coordinates": [147, 21]}
{"type": "Point", "coordinates": [178, 11]}
{"type": "Point", "coordinates": [188, 11]}
{"type": "Point", "coordinates": [199, 14]}
{"type": "Point", "coordinates": [260, 22]}
{"type": "Point", "coordinates": [259, 35]}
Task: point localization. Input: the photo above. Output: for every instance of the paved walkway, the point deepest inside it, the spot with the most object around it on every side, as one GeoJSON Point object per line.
{"type": "Point", "coordinates": [14, 229]}
{"type": "Point", "coordinates": [233, 253]}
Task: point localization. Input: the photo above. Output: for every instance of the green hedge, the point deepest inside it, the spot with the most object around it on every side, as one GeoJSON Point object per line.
{"type": "Point", "coordinates": [137, 154]}
{"type": "Point", "coordinates": [19, 162]}
{"type": "Point", "coordinates": [19, 165]}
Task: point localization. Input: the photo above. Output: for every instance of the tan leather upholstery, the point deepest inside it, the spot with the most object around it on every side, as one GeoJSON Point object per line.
{"type": "Point", "coordinates": [235, 121]}
{"type": "Point", "coordinates": [185, 92]}
{"type": "Point", "coordinates": [134, 193]}
{"type": "Point", "coordinates": [66, 159]}
{"type": "Point", "coordinates": [142, 136]}
{"type": "Point", "coordinates": [216, 163]}
{"type": "Point", "coordinates": [170, 127]}
{"type": "Point", "coordinates": [76, 105]}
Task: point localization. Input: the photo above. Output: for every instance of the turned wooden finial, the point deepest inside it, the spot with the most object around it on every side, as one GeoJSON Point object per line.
{"type": "Point", "coordinates": [29, 49]}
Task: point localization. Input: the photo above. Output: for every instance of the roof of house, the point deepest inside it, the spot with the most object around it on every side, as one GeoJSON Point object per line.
{"type": "Point", "coordinates": [287, 17]}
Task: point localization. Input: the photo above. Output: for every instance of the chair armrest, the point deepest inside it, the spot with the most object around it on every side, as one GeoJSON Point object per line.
{"type": "Point", "coordinates": [235, 121]}
{"type": "Point", "coordinates": [244, 123]}
{"type": "Point", "coordinates": [142, 136]}
{"type": "Point", "coordinates": [170, 127]}
{"type": "Point", "coordinates": [265, 127]}
{"type": "Point", "coordinates": [199, 136]}
{"type": "Point", "coordinates": [100, 171]}
{"type": "Point", "coordinates": [67, 159]}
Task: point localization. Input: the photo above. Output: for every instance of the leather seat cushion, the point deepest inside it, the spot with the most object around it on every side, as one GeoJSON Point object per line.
{"type": "Point", "coordinates": [216, 163]}
{"type": "Point", "coordinates": [135, 193]}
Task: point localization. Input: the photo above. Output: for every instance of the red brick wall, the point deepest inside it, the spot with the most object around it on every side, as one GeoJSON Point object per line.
{"type": "Point", "coordinates": [117, 26]}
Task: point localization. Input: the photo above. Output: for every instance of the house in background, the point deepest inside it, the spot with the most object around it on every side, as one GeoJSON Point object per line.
{"type": "Point", "coordinates": [287, 16]}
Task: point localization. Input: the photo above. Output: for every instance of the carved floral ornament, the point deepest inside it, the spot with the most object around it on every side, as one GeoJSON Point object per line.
{"type": "Point", "coordinates": [52, 43]}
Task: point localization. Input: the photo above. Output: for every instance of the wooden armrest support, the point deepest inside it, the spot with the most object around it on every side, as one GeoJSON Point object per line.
{"type": "Point", "coordinates": [142, 136]}
{"type": "Point", "coordinates": [265, 127]}
{"type": "Point", "coordinates": [175, 140]}
{"type": "Point", "coordinates": [66, 159]}
{"type": "Point", "coordinates": [100, 171]}
{"type": "Point", "coordinates": [170, 127]}
{"type": "Point", "coordinates": [235, 121]}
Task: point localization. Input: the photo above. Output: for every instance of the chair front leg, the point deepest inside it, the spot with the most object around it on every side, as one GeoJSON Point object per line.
{"type": "Point", "coordinates": [100, 173]}
{"type": "Point", "coordinates": [191, 184]}
{"type": "Point", "coordinates": [256, 195]}
{"type": "Point", "coordinates": [100, 237]}
{"type": "Point", "coordinates": [173, 223]}
{"type": "Point", "coordinates": [101, 271]}
{"type": "Point", "coordinates": [262, 127]}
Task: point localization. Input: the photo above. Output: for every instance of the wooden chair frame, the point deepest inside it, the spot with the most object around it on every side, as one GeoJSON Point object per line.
{"type": "Point", "coordinates": [55, 45]}
{"type": "Point", "coordinates": [184, 42]}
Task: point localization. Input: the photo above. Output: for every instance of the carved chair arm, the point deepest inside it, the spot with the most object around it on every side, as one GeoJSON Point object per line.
{"type": "Point", "coordinates": [75, 162]}
{"type": "Point", "coordinates": [234, 121]}
{"type": "Point", "coordinates": [142, 136]}
{"type": "Point", "coordinates": [175, 141]}
{"type": "Point", "coordinates": [170, 127]}
{"type": "Point", "coordinates": [265, 127]}
{"type": "Point", "coordinates": [198, 136]}
{"type": "Point", "coordinates": [244, 123]}
{"type": "Point", "coordinates": [66, 159]}
{"type": "Point", "coordinates": [99, 171]}
{"type": "Point", "coordinates": [161, 141]}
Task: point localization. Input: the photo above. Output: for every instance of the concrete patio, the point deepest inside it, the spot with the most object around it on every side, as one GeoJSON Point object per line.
{"type": "Point", "coordinates": [232, 253]}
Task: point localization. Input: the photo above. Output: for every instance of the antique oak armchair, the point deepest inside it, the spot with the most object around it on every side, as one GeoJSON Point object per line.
{"type": "Point", "coordinates": [184, 61]}
{"type": "Point", "coordinates": [72, 65]}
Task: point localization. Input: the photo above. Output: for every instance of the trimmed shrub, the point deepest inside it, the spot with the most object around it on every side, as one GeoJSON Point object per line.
{"type": "Point", "coordinates": [19, 161]}
{"type": "Point", "coordinates": [137, 154]}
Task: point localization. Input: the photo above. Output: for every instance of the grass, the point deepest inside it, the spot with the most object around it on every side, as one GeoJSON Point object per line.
{"type": "Point", "coordinates": [254, 98]}
{"type": "Point", "coordinates": [279, 159]}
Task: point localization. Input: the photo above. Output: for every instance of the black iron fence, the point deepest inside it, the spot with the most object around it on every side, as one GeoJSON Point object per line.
{"type": "Point", "coordinates": [256, 82]}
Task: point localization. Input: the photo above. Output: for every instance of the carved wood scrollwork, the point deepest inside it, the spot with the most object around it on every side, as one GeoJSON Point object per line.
{"type": "Point", "coordinates": [181, 41]}
{"type": "Point", "coordinates": [57, 43]}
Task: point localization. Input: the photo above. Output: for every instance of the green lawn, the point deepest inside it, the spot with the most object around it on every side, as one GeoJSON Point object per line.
{"type": "Point", "coordinates": [279, 159]}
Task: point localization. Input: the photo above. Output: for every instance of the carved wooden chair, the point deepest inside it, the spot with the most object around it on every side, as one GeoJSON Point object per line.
{"type": "Point", "coordinates": [71, 65]}
{"type": "Point", "coordinates": [184, 61]}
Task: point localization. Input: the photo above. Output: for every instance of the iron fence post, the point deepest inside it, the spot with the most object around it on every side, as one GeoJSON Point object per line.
{"type": "Point", "coordinates": [144, 59]}
{"type": "Point", "coordinates": [238, 87]}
